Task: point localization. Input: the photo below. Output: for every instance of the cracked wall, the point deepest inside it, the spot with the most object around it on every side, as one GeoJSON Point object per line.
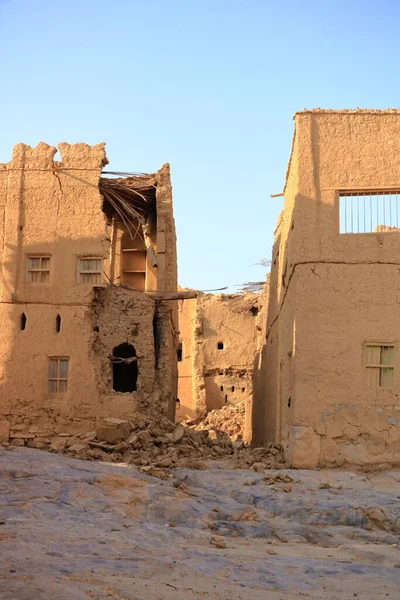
{"type": "Point", "coordinates": [54, 209]}
{"type": "Point", "coordinates": [329, 295]}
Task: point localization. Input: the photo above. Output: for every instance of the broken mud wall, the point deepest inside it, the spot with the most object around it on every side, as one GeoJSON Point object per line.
{"type": "Point", "coordinates": [167, 280]}
{"type": "Point", "coordinates": [218, 337]}
{"type": "Point", "coordinates": [331, 294]}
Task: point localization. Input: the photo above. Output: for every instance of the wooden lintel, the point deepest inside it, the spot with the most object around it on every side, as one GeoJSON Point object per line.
{"type": "Point", "coordinates": [172, 295]}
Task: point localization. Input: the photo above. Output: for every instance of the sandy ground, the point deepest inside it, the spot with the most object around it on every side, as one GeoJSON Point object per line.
{"type": "Point", "coordinates": [71, 529]}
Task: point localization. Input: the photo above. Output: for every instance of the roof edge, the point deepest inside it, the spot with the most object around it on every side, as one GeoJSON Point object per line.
{"type": "Point", "coordinates": [348, 111]}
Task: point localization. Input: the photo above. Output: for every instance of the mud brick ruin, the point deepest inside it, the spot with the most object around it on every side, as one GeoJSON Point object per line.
{"type": "Point", "coordinates": [89, 303]}
{"type": "Point", "coordinates": [86, 262]}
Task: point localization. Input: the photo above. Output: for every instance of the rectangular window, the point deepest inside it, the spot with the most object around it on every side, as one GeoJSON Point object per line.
{"type": "Point", "coordinates": [58, 375]}
{"type": "Point", "coordinates": [90, 271]}
{"type": "Point", "coordinates": [369, 211]}
{"type": "Point", "coordinates": [38, 269]}
{"type": "Point", "coordinates": [179, 353]}
{"type": "Point", "coordinates": [379, 364]}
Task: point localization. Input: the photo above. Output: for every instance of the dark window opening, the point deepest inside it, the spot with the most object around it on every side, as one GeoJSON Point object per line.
{"type": "Point", "coordinates": [156, 334]}
{"type": "Point", "coordinates": [226, 398]}
{"type": "Point", "coordinates": [243, 389]}
{"type": "Point", "coordinates": [23, 321]}
{"type": "Point", "coordinates": [58, 323]}
{"type": "Point", "coordinates": [220, 345]}
{"type": "Point", "coordinates": [222, 388]}
{"type": "Point", "coordinates": [254, 311]}
{"type": "Point", "coordinates": [233, 388]}
{"type": "Point", "coordinates": [289, 402]}
{"type": "Point", "coordinates": [125, 368]}
{"type": "Point", "coordinates": [179, 353]}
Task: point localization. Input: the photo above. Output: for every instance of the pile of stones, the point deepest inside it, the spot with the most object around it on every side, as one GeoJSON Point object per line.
{"type": "Point", "coordinates": [158, 445]}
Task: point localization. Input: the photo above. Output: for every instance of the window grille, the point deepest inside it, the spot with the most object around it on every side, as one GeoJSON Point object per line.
{"type": "Point", "coordinates": [38, 269]}
{"type": "Point", "coordinates": [58, 375]}
{"type": "Point", "coordinates": [369, 211]}
{"type": "Point", "coordinates": [90, 271]}
{"type": "Point", "coordinates": [379, 364]}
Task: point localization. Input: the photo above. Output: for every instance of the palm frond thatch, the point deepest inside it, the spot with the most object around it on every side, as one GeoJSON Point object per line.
{"type": "Point", "coordinates": [132, 198]}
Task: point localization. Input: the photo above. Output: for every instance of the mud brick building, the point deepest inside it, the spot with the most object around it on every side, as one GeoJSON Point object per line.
{"type": "Point", "coordinates": [87, 262]}
{"type": "Point", "coordinates": [327, 379]}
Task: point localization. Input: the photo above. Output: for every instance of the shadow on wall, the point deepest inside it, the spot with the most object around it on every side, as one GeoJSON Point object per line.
{"type": "Point", "coordinates": [314, 220]}
{"type": "Point", "coordinates": [265, 368]}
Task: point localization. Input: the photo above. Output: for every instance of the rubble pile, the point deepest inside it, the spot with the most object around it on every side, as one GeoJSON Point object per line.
{"type": "Point", "coordinates": [157, 445]}
{"type": "Point", "coordinates": [229, 419]}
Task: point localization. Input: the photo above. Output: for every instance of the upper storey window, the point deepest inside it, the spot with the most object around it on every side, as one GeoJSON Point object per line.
{"type": "Point", "coordinates": [369, 211]}
{"type": "Point", "coordinates": [90, 271]}
{"type": "Point", "coordinates": [38, 269]}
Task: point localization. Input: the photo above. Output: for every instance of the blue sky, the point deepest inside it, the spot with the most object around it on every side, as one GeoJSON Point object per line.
{"type": "Point", "coordinates": [209, 86]}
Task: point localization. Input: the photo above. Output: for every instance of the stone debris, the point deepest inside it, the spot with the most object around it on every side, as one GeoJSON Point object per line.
{"type": "Point", "coordinates": [229, 419]}
{"type": "Point", "coordinates": [113, 430]}
{"type": "Point", "coordinates": [218, 541]}
{"type": "Point", "coordinates": [157, 445]}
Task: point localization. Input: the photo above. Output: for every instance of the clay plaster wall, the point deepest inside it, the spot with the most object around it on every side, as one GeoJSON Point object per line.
{"type": "Point", "coordinates": [210, 377]}
{"type": "Point", "coordinates": [330, 294]}
{"type": "Point", "coordinates": [55, 209]}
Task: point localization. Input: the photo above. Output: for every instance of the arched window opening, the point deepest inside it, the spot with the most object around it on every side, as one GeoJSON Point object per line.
{"type": "Point", "coordinates": [125, 368]}
{"type": "Point", "coordinates": [23, 321]}
{"type": "Point", "coordinates": [58, 323]}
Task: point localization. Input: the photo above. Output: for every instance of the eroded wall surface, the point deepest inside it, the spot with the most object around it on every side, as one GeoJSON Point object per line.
{"type": "Point", "coordinates": [54, 209]}
{"type": "Point", "coordinates": [330, 295]}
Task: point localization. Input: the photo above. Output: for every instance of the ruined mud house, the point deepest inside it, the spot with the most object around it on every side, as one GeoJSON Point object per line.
{"type": "Point", "coordinates": [88, 261]}
{"type": "Point", "coordinates": [217, 342]}
{"type": "Point", "coordinates": [327, 379]}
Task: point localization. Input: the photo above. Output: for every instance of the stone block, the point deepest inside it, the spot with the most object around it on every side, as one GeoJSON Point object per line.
{"type": "Point", "coordinates": [58, 444]}
{"type": "Point", "coordinates": [113, 430]}
{"type": "Point", "coordinates": [17, 442]}
{"type": "Point", "coordinates": [4, 431]}
{"type": "Point", "coordinates": [38, 443]}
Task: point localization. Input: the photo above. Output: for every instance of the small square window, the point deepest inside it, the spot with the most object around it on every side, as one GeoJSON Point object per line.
{"type": "Point", "coordinates": [220, 345]}
{"type": "Point", "coordinates": [379, 365]}
{"type": "Point", "coordinates": [38, 269]}
{"type": "Point", "coordinates": [90, 271]}
{"type": "Point", "coordinates": [58, 375]}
